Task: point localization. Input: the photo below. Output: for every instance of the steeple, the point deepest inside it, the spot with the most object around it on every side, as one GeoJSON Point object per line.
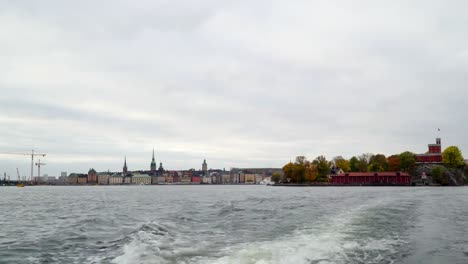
{"type": "Point", "coordinates": [204, 166]}
{"type": "Point", "coordinates": [125, 166]}
{"type": "Point", "coordinates": [153, 163]}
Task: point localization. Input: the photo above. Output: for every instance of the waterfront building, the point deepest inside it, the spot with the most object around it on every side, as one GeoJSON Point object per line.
{"type": "Point", "coordinates": [160, 179]}
{"type": "Point", "coordinates": [82, 179]}
{"type": "Point", "coordinates": [263, 171]}
{"type": "Point", "coordinates": [92, 176]}
{"type": "Point", "coordinates": [226, 178]}
{"type": "Point", "coordinates": [249, 178]}
{"type": "Point", "coordinates": [127, 179]}
{"type": "Point", "coordinates": [169, 178]}
{"type": "Point", "coordinates": [175, 176]}
{"type": "Point", "coordinates": [433, 155]}
{"type": "Point", "coordinates": [206, 180]}
{"type": "Point", "coordinates": [204, 166]}
{"type": "Point", "coordinates": [141, 179]}
{"type": "Point", "coordinates": [73, 178]}
{"type": "Point", "coordinates": [153, 164]}
{"type": "Point", "coordinates": [116, 179]}
{"type": "Point", "coordinates": [258, 178]}
{"type": "Point", "coordinates": [103, 178]}
{"type": "Point", "coordinates": [241, 178]}
{"type": "Point", "coordinates": [63, 179]}
{"type": "Point", "coordinates": [51, 180]}
{"type": "Point", "coordinates": [371, 178]}
{"type": "Point", "coordinates": [186, 179]}
{"type": "Point", "coordinates": [63, 174]}
{"type": "Point", "coordinates": [196, 179]}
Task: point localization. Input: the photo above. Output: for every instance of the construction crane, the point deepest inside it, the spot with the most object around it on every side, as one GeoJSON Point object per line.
{"type": "Point", "coordinates": [27, 154]}
{"type": "Point", "coordinates": [17, 172]}
{"type": "Point", "coordinates": [38, 164]}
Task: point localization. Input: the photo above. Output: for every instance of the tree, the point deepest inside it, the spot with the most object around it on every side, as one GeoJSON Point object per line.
{"type": "Point", "coordinates": [311, 172]}
{"type": "Point", "coordinates": [363, 161]}
{"type": "Point", "coordinates": [394, 163]}
{"type": "Point", "coordinates": [296, 172]}
{"type": "Point", "coordinates": [300, 160]}
{"type": "Point", "coordinates": [288, 171]}
{"type": "Point", "coordinates": [407, 161]}
{"type": "Point", "coordinates": [299, 173]}
{"type": "Point", "coordinates": [452, 157]}
{"type": "Point", "coordinates": [323, 168]}
{"type": "Point", "coordinates": [378, 163]}
{"type": "Point", "coordinates": [342, 163]}
{"type": "Point", "coordinates": [276, 177]}
{"type": "Point", "coordinates": [354, 164]}
{"type": "Point", "coordinates": [439, 175]}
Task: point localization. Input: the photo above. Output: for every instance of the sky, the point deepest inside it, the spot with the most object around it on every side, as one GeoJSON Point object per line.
{"type": "Point", "coordinates": [238, 83]}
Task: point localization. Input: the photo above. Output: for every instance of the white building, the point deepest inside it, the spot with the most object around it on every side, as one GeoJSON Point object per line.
{"type": "Point", "coordinates": [115, 179]}
{"type": "Point", "coordinates": [141, 179]}
{"type": "Point", "coordinates": [103, 179]}
{"type": "Point", "coordinates": [206, 180]}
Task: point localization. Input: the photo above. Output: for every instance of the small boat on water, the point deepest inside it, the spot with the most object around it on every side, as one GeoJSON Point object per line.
{"type": "Point", "coordinates": [20, 185]}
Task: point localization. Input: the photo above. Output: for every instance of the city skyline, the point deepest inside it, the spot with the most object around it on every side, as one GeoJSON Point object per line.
{"type": "Point", "coordinates": [239, 83]}
{"type": "Point", "coordinates": [149, 167]}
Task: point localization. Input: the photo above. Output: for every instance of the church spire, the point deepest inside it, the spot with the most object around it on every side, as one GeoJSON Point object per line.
{"type": "Point", "coordinates": [125, 166]}
{"type": "Point", "coordinates": [153, 163]}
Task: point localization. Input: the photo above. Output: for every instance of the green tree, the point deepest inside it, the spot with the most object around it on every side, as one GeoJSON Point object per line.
{"type": "Point", "coordinates": [323, 168]}
{"type": "Point", "coordinates": [378, 163]}
{"type": "Point", "coordinates": [452, 157]}
{"type": "Point", "coordinates": [407, 161]}
{"type": "Point", "coordinates": [364, 161]}
{"type": "Point", "coordinates": [439, 175]}
{"type": "Point", "coordinates": [342, 163]}
{"type": "Point", "coordinates": [276, 177]}
{"type": "Point", "coordinates": [354, 164]}
{"type": "Point", "coordinates": [299, 172]}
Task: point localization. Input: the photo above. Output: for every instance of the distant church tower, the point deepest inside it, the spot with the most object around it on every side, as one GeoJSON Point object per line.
{"type": "Point", "coordinates": [125, 166]}
{"type": "Point", "coordinates": [153, 163]}
{"type": "Point", "coordinates": [161, 169]}
{"type": "Point", "coordinates": [204, 166]}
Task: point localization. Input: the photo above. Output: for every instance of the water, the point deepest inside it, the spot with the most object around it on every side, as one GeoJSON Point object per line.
{"type": "Point", "coordinates": [233, 224]}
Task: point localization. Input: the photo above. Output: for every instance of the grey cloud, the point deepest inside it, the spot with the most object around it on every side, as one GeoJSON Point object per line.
{"type": "Point", "coordinates": [241, 83]}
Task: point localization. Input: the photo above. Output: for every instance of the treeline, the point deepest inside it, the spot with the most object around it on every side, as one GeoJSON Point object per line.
{"type": "Point", "coordinates": [303, 171]}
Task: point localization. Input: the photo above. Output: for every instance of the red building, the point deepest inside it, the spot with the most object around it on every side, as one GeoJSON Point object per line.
{"type": "Point", "coordinates": [371, 178]}
{"type": "Point", "coordinates": [92, 176]}
{"type": "Point", "coordinates": [434, 155]}
{"type": "Point", "coordinates": [196, 179]}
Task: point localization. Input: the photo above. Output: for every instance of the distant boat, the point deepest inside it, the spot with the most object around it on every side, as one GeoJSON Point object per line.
{"type": "Point", "coordinates": [20, 185]}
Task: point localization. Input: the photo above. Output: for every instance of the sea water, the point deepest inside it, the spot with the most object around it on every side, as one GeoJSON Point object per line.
{"type": "Point", "coordinates": [233, 224]}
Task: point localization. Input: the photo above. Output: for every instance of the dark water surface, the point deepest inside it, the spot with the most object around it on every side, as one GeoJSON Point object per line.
{"type": "Point", "coordinates": [233, 224]}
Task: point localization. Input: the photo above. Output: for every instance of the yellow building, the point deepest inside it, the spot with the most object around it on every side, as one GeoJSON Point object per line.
{"type": "Point", "coordinates": [143, 179]}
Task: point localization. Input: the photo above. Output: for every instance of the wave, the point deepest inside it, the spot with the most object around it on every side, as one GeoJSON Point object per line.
{"type": "Point", "coordinates": [348, 238]}
{"type": "Point", "coordinates": [371, 233]}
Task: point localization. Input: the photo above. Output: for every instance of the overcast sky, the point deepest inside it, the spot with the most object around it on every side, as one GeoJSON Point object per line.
{"type": "Point", "coordinates": [240, 83]}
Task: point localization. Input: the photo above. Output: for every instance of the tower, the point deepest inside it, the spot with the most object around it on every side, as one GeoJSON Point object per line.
{"type": "Point", "coordinates": [161, 169]}
{"type": "Point", "coordinates": [153, 163]}
{"type": "Point", "coordinates": [204, 166]}
{"type": "Point", "coordinates": [125, 167]}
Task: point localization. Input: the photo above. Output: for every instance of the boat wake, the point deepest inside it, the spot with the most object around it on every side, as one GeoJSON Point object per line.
{"type": "Point", "coordinates": [371, 234]}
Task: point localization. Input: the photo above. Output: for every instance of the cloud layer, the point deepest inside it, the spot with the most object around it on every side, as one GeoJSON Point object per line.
{"type": "Point", "coordinates": [240, 83]}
